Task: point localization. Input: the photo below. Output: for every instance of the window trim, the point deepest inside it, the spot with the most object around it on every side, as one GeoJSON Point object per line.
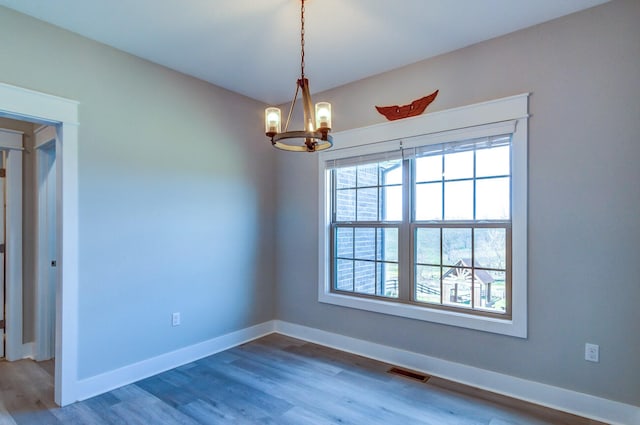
{"type": "Point", "coordinates": [465, 122]}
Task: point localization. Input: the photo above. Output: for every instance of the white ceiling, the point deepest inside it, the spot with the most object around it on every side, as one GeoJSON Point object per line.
{"type": "Point", "coordinates": [253, 46]}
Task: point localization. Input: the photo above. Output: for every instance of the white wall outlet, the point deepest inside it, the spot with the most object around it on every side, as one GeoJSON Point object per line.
{"type": "Point", "coordinates": [592, 352]}
{"type": "Point", "coordinates": [175, 319]}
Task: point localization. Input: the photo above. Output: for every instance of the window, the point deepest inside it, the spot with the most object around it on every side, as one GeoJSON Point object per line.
{"type": "Point", "coordinates": [457, 231]}
{"type": "Point", "coordinates": [431, 225]}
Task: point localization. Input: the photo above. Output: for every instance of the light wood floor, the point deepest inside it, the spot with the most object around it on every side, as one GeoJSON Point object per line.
{"type": "Point", "coordinates": [273, 380]}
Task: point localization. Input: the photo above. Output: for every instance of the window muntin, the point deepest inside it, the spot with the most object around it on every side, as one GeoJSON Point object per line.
{"type": "Point", "coordinates": [459, 227]}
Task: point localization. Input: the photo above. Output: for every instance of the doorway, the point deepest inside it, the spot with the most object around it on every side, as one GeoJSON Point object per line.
{"type": "Point", "coordinates": [28, 105]}
{"type": "Point", "coordinates": [27, 240]}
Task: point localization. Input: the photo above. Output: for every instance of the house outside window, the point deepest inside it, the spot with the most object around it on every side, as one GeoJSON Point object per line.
{"type": "Point", "coordinates": [430, 224]}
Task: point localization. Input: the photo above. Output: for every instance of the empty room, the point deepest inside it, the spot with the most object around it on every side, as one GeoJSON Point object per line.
{"type": "Point", "coordinates": [320, 212]}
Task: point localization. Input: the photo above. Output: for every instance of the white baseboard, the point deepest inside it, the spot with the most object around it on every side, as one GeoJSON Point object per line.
{"type": "Point", "coordinates": [108, 381]}
{"type": "Point", "coordinates": [546, 395]}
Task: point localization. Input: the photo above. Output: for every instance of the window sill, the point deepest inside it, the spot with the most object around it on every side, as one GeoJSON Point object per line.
{"type": "Point", "coordinates": [513, 327]}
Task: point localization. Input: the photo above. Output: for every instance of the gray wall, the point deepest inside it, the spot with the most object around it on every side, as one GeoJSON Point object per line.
{"type": "Point", "coordinates": [176, 202]}
{"type": "Point", "coordinates": [584, 201]}
{"type": "Point", "coordinates": [29, 220]}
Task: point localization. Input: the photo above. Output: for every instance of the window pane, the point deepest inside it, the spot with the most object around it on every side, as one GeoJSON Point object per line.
{"type": "Point", "coordinates": [428, 246]}
{"type": "Point", "coordinates": [365, 277]}
{"type": "Point", "coordinates": [368, 175]}
{"type": "Point", "coordinates": [367, 204]}
{"type": "Point", "coordinates": [387, 244]}
{"type": "Point", "coordinates": [365, 243]}
{"type": "Point", "coordinates": [493, 162]}
{"type": "Point", "coordinates": [391, 172]}
{"type": "Point", "coordinates": [456, 246]}
{"type": "Point", "coordinates": [345, 205]}
{"type": "Point", "coordinates": [428, 202]}
{"type": "Point", "coordinates": [458, 200]}
{"type": "Point", "coordinates": [490, 248]}
{"type": "Point", "coordinates": [492, 199]}
{"type": "Point", "coordinates": [490, 290]}
{"type": "Point", "coordinates": [389, 279]}
{"type": "Point", "coordinates": [391, 203]}
{"type": "Point", "coordinates": [456, 286]}
{"type": "Point", "coordinates": [344, 242]}
{"type": "Point", "coordinates": [345, 177]}
{"type": "Point", "coordinates": [429, 168]}
{"type": "Point", "coordinates": [428, 284]}
{"type": "Point", "coordinates": [344, 275]}
{"type": "Point", "coordinates": [458, 165]}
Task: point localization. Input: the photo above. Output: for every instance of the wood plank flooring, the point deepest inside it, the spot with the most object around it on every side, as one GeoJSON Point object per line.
{"type": "Point", "coordinates": [273, 380]}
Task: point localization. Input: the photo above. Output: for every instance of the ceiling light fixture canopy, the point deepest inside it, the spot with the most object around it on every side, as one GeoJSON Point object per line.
{"type": "Point", "coordinates": [315, 136]}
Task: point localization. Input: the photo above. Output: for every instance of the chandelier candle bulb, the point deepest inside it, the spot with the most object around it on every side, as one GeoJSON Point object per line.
{"type": "Point", "coordinates": [323, 115]}
{"type": "Point", "coordinates": [272, 121]}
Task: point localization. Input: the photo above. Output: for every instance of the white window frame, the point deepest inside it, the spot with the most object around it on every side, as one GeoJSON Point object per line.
{"type": "Point", "coordinates": [468, 122]}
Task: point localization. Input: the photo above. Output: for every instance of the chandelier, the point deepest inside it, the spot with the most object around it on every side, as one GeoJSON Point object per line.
{"type": "Point", "coordinates": [315, 136]}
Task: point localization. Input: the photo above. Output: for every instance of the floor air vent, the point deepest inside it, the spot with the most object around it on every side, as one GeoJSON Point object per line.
{"type": "Point", "coordinates": [409, 374]}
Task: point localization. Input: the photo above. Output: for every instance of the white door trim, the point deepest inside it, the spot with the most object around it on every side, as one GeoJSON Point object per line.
{"type": "Point", "coordinates": [45, 144]}
{"type": "Point", "coordinates": [20, 103]}
{"type": "Point", "coordinates": [11, 143]}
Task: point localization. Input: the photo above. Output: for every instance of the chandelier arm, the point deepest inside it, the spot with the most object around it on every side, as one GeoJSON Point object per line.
{"type": "Point", "coordinates": [293, 104]}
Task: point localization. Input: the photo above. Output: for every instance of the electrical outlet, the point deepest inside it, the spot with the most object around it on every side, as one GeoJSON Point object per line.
{"type": "Point", "coordinates": [175, 319]}
{"type": "Point", "coordinates": [592, 352]}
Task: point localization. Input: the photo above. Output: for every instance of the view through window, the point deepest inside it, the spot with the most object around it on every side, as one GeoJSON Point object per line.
{"type": "Point", "coordinates": [431, 227]}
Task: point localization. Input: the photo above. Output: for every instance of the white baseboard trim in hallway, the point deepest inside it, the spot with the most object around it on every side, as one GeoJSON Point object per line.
{"type": "Point", "coordinates": [546, 395]}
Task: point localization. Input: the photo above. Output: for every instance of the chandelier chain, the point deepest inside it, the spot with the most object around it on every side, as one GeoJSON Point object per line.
{"type": "Point", "coordinates": [302, 40]}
